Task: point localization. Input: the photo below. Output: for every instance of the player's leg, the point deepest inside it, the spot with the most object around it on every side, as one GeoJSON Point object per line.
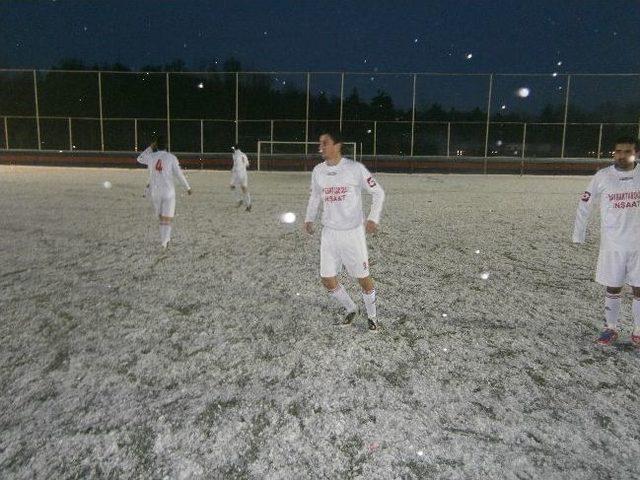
{"type": "Point", "coordinates": [245, 193]}
{"type": "Point", "coordinates": [330, 265]}
{"type": "Point", "coordinates": [356, 258]}
{"type": "Point", "coordinates": [633, 277]}
{"type": "Point", "coordinates": [156, 201]}
{"type": "Point", "coordinates": [168, 208]}
{"type": "Point", "coordinates": [237, 196]}
{"type": "Point", "coordinates": [611, 272]}
{"type": "Point", "coordinates": [635, 308]}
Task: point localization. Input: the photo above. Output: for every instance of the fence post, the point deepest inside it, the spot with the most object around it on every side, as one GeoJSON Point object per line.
{"type": "Point", "coordinates": [271, 137]}
{"type": "Point", "coordinates": [70, 135]}
{"type": "Point", "coordinates": [168, 113]}
{"type": "Point", "coordinates": [341, 98]}
{"type": "Point", "coordinates": [6, 133]}
{"type": "Point", "coordinates": [201, 137]}
{"type": "Point", "coordinates": [486, 136]}
{"type": "Point", "coordinates": [35, 93]}
{"type": "Point", "coordinates": [101, 117]}
{"type": "Point", "coordinates": [375, 138]}
{"type": "Point", "coordinates": [600, 142]}
{"type": "Point", "coordinates": [306, 122]}
{"type": "Point", "coordinates": [135, 133]}
{"type": "Point", "coordinates": [237, 97]}
{"type": "Point", "coordinates": [566, 112]}
{"type": "Point", "coordinates": [259, 145]}
{"type": "Point", "coordinates": [524, 146]}
{"type": "Point", "coordinates": [448, 139]}
{"type": "Point", "coordinates": [413, 113]}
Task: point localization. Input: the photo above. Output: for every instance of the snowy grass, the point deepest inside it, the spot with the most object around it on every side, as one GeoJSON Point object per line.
{"type": "Point", "coordinates": [220, 360]}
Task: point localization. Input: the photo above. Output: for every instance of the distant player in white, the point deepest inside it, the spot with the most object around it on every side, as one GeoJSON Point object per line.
{"type": "Point", "coordinates": [162, 167]}
{"type": "Point", "coordinates": [337, 183]}
{"type": "Point", "coordinates": [239, 178]}
{"type": "Point", "coordinates": [617, 190]}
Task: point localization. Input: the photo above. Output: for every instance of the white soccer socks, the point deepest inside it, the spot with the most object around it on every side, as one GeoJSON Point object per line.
{"type": "Point", "coordinates": [247, 199]}
{"type": "Point", "coordinates": [165, 233]}
{"type": "Point", "coordinates": [341, 295]}
{"type": "Point", "coordinates": [237, 194]}
{"type": "Point", "coordinates": [370, 303]}
{"type": "Point", "coordinates": [635, 307]}
{"type": "Point", "coordinates": [612, 303]}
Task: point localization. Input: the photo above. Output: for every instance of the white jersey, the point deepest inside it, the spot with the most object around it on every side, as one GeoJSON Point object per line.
{"type": "Point", "coordinates": [339, 188]}
{"type": "Point", "coordinates": [162, 166]}
{"type": "Point", "coordinates": [618, 193]}
{"type": "Point", "coordinates": [240, 162]}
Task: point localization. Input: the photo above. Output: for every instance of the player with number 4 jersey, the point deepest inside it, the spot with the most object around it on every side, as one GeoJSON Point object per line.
{"type": "Point", "coordinates": [162, 167]}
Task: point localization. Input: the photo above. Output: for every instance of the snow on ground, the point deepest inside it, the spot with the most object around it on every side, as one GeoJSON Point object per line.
{"type": "Point", "coordinates": [220, 360]}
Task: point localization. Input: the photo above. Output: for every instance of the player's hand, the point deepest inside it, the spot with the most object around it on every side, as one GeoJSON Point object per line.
{"type": "Point", "coordinates": [371, 227]}
{"type": "Point", "coordinates": [189, 192]}
{"type": "Point", "coordinates": [153, 146]}
{"type": "Point", "coordinates": [309, 228]}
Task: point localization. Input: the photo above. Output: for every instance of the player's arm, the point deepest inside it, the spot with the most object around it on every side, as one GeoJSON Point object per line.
{"type": "Point", "coordinates": [585, 206]}
{"type": "Point", "coordinates": [145, 157]}
{"type": "Point", "coordinates": [375, 189]}
{"type": "Point", "coordinates": [246, 161]}
{"type": "Point", "coordinates": [177, 171]}
{"type": "Point", "coordinates": [315, 198]}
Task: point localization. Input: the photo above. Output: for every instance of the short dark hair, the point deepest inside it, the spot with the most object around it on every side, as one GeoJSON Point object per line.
{"type": "Point", "coordinates": [236, 146]}
{"type": "Point", "coordinates": [161, 143]}
{"type": "Point", "coordinates": [335, 135]}
{"type": "Point", "coordinates": [627, 139]}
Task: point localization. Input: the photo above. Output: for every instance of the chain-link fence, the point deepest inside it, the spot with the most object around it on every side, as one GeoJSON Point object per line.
{"type": "Point", "coordinates": [404, 115]}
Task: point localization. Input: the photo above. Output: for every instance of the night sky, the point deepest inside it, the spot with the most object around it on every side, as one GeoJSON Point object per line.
{"type": "Point", "coordinates": [401, 36]}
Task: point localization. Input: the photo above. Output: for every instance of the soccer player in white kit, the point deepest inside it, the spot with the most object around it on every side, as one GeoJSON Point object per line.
{"type": "Point", "coordinates": [162, 166]}
{"type": "Point", "coordinates": [239, 178]}
{"type": "Point", "coordinates": [617, 190]}
{"type": "Point", "coordinates": [337, 183]}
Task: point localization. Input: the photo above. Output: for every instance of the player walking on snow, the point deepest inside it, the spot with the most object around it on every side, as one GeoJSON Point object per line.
{"type": "Point", "coordinates": [239, 178]}
{"type": "Point", "coordinates": [162, 166]}
{"type": "Point", "coordinates": [617, 190]}
{"type": "Point", "coordinates": [337, 183]}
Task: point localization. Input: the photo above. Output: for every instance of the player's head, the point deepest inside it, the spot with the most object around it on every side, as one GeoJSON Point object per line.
{"type": "Point", "coordinates": [160, 143]}
{"type": "Point", "coordinates": [330, 144]}
{"type": "Point", "coordinates": [625, 150]}
{"type": "Point", "coordinates": [235, 147]}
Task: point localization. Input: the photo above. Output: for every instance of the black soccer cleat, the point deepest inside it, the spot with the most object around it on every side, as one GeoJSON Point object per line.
{"type": "Point", "coordinates": [373, 324]}
{"type": "Point", "coordinates": [348, 318]}
{"type": "Point", "coordinates": [248, 209]}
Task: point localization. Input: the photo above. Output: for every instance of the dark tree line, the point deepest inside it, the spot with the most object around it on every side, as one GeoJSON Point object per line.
{"type": "Point", "coordinates": [65, 91]}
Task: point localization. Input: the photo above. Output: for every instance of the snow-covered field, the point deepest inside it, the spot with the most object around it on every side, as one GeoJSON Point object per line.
{"type": "Point", "coordinates": [219, 359]}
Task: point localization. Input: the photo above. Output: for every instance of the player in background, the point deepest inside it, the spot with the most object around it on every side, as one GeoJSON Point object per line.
{"type": "Point", "coordinates": [616, 189]}
{"type": "Point", "coordinates": [337, 183]}
{"type": "Point", "coordinates": [239, 178]}
{"type": "Point", "coordinates": [162, 166]}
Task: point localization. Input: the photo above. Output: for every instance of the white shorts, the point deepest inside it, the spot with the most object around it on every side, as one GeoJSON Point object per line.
{"type": "Point", "coordinates": [344, 247]}
{"type": "Point", "coordinates": [239, 179]}
{"type": "Point", "coordinates": [615, 269]}
{"type": "Point", "coordinates": [164, 205]}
